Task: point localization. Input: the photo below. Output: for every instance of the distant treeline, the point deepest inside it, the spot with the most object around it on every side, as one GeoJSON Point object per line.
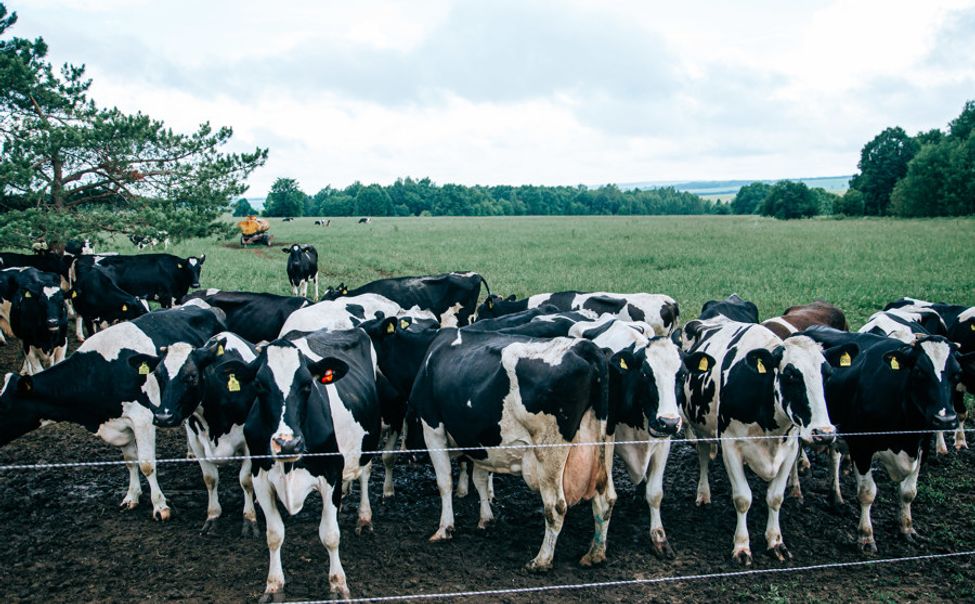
{"type": "Point", "coordinates": [423, 197]}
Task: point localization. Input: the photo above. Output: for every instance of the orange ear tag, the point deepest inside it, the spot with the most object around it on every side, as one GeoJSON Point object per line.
{"type": "Point", "coordinates": [328, 377]}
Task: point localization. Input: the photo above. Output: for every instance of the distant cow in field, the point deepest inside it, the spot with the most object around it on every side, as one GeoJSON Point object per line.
{"type": "Point", "coordinates": [323, 222]}
{"type": "Point", "coordinates": [365, 220]}
{"type": "Point", "coordinates": [302, 267]}
{"type": "Point", "coordinates": [144, 241]}
{"type": "Point", "coordinates": [288, 219]}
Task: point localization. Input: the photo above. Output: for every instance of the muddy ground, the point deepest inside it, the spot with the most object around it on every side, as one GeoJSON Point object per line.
{"type": "Point", "coordinates": [62, 537]}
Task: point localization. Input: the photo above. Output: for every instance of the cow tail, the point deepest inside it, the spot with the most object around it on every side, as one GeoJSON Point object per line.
{"type": "Point", "coordinates": [486, 286]}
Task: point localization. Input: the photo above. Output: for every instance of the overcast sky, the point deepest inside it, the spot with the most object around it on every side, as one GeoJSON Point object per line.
{"type": "Point", "coordinates": [512, 92]}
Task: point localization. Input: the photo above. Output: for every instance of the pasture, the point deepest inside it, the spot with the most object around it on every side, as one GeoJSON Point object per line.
{"type": "Point", "coordinates": [65, 540]}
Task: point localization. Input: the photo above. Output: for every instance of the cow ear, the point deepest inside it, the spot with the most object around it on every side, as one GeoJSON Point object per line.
{"type": "Point", "coordinates": [203, 258]}
{"type": "Point", "coordinates": [777, 354]}
{"type": "Point", "coordinates": [144, 364]}
{"type": "Point", "coordinates": [286, 250]}
{"type": "Point", "coordinates": [328, 370]}
{"type": "Point", "coordinates": [404, 323]}
{"type": "Point", "coordinates": [842, 355]}
{"type": "Point", "coordinates": [899, 360]}
{"type": "Point", "coordinates": [510, 298]}
{"type": "Point", "coordinates": [760, 361]}
{"type": "Point", "coordinates": [699, 362]}
{"type": "Point", "coordinates": [489, 302]}
{"type": "Point", "coordinates": [232, 373]}
{"type": "Point", "coordinates": [623, 361]}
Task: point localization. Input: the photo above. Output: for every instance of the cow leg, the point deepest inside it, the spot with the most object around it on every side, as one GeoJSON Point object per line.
{"type": "Point", "coordinates": [866, 493]}
{"type": "Point", "coordinates": [365, 509]}
{"type": "Point", "coordinates": [145, 440]}
{"type": "Point", "coordinates": [795, 490]}
{"type": "Point", "coordinates": [274, 589]}
{"type": "Point", "coordinates": [958, 401]}
{"type": "Point", "coordinates": [316, 287]}
{"type": "Point", "coordinates": [79, 333]}
{"type": "Point", "coordinates": [131, 456]}
{"type": "Point", "coordinates": [59, 353]}
{"type": "Point", "coordinates": [803, 460]}
{"type": "Point", "coordinates": [249, 527]}
{"type": "Point", "coordinates": [908, 491]}
{"type": "Point", "coordinates": [328, 532]}
{"type": "Point", "coordinates": [294, 289]}
{"type": "Point", "coordinates": [741, 495]}
{"type": "Point", "coordinates": [436, 439]}
{"type": "Point", "coordinates": [655, 494]}
{"type": "Point", "coordinates": [703, 487]}
{"type": "Point", "coordinates": [211, 478]}
{"type": "Point", "coordinates": [463, 485]}
{"type": "Point", "coordinates": [942, 447]}
{"type": "Point", "coordinates": [491, 485]}
{"type": "Point", "coordinates": [389, 458]}
{"type": "Point", "coordinates": [836, 460]}
{"type": "Point", "coordinates": [481, 479]}
{"type": "Point", "coordinates": [602, 510]}
{"type": "Point", "coordinates": [550, 470]}
{"type": "Point", "coordinates": [773, 498]}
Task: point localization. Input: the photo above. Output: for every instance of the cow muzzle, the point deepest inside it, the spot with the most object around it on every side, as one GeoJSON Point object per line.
{"type": "Point", "coordinates": [944, 420]}
{"type": "Point", "coordinates": [665, 426]}
{"type": "Point", "coordinates": [53, 325]}
{"type": "Point", "coordinates": [165, 419]}
{"type": "Point", "coordinates": [823, 436]}
{"type": "Point", "coordinates": [286, 447]}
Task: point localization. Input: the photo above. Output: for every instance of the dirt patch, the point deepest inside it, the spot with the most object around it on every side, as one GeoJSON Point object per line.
{"type": "Point", "coordinates": [65, 539]}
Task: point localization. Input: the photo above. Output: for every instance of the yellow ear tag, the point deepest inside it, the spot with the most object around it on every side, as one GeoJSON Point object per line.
{"type": "Point", "coordinates": [404, 324]}
{"type": "Point", "coordinates": [973, 326]}
{"type": "Point", "coordinates": [623, 364]}
{"type": "Point", "coordinates": [74, 294]}
{"type": "Point", "coordinates": [144, 368]}
{"type": "Point", "coordinates": [220, 350]}
{"type": "Point", "coordinates": [894, 364]}
{"type": "Point", "coordinates": [124, 308]}
{"type": "Point", "coordinates": [845, 359]}
{"type": "Point", "coordinates": [490, 304]}
{"type": "Point", "coordinates": [390, 328]}
{"type": "Point", "coordinates": [232, 384]}
{"type": "Point", "coordinates": [27, 294]}
{"type": "Point", "coordinates": [179, 266]}
{"type": "Point", "coordinates": [703, 365]}
{"type": "Point", "coordinates": [759, 366]}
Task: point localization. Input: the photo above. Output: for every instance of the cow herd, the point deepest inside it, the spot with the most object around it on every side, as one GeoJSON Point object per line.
{"type": "Point", "coordinates": [555, 387]}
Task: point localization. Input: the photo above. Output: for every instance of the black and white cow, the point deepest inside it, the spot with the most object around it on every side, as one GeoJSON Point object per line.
{"type": "Point", "coordinates": [32, 303]}
{"type": "Point", "coordinates": [78, 247]}
{"type": "Point", "coordinates": [479, 389]}
{"type": "Point", "coordinates": [100, 387]}
{"type": "Point", "coordinates": [345, 313]}
{"type": "Point", "coordinates": [99, 302]}
{"type": "Point", "coordinates": [656, 310]}
{"type": "Point", "coordinates": [365, 220]}
{"type": "Point", "coordinates": [302, 267]}
{"type": "Point", "coordinates": [46, 262]}
{"type": "Point", "coordinates": [757, 385]}
{"type": "Point", "coordinates": [256, 317]}
{"type": "Point", "coordinates": [960, 328]}
{"type": "Point", "coordinates": [903, 323]}
{"type": "Point", "coordinates": [885, 385]}
{"type": "Point", "coordinates": [144, 241]}
{"type": "Point", "coordinates": [164, 278]}
{"type": "Point", "coordinates": [288, 219]}
{"type": "Point", "coordinates": [451, 297]}
{"type": "Point", "coordinates": [323, 222]}
{"type": "Point", "coordinates": [734, 308]}
{"type": "Point", "coordinates": [325, 407]}
{"type": "Point", "coordinates": [190, 385]}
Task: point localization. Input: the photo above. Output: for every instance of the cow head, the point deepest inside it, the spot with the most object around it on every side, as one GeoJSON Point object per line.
{"type": "Point", "coordinates": [191, 267]}
{"type": "Point", "coordinates": [291, 392]}
{"type": "Point", "coordinates": [175, 385]}
{"type": "Point", "coordinates": [41, 304]}
{"type": "Point", "coordinates": [495, 306]}
{"type": "Point", "coordinates": [800, 369]}
{"type": "Point", "coordinates": [930, 371]}
{"type": "Point", "coordinates": [400, 344]}
{"type": "Point", "coordinates": [650, 380]}
{"type": "Point", "coordinates": [334, 293]}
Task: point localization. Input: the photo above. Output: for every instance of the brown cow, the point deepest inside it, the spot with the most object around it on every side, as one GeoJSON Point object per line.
{"type": "Point", "coordinates": [797, 318]}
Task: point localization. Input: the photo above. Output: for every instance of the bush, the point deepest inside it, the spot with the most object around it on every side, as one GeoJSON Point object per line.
{"type": "Point", "coordinates": [788, 200]}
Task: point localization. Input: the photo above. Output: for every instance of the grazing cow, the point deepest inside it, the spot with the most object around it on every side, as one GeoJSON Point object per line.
{"type": "Point", "coordinates": [325, 407]}
{"type": "Point", "coordinates": [960, 323]}
{"type": "Point", "coordinates": [190, 384]}
{"type": "Point", "coordinates": [161, 277]}
{"type": "Point", "coordinates": [885, 385]}
{"type": "Point", "coordinates": [78, 247]}
{"type": "Point", "coordinates": [452, 297]}
{"type": "Point", "coordinates": [339, 314]}
{"type": "Point", "coordinates": [288, 219]}
{"type": "Point", "coordinates": [798, 318]}
{"type": "Point", "coordinates": [656, 310]}
{"type": "Point", "coordinates": [903, 323]}
{"type": "Point", "coordinates": [99, 302]}
{"type": "Point", "coordinates": [32, 305]}
{"type": "Point", "coordinates": [144, 241]}
{"type": "Point", "coordinates": [302, 267]}
{"type": "Point", "coordinates": [365, 220]}
{"type": "Point", "coordinates": [758, 385]}
{"type": "Point", "coordinates": [323, 222]}
{"type": "Point", "coordinates": [478, 389]}
{"type": "Point", "coordinates": [256, 317]}
{"type": "Point", "coordinates": [100, 387]}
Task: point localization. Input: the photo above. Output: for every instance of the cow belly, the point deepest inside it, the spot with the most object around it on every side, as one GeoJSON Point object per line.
{"type": "Point", "coordinates": [764, 456]}
{"type": "Point", "coordinates": [898, 465]}
{"type": "Point", "coordinates": [293, 487]}
{"type": "Point", "coordinates": [584, 470]}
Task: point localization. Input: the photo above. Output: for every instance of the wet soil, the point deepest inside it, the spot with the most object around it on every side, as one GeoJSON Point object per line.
{"type": "Point", "coordinates": [64, 538]}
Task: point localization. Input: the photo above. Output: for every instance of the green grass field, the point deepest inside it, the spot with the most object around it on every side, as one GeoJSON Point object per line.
{"type": "Point", "coordinates": [857, 264]}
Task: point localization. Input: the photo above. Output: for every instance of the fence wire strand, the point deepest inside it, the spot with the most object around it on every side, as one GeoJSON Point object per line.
{"type": "Point", "coordinates": [456, 450]}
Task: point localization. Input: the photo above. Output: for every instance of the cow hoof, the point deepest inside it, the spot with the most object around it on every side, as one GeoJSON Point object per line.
{"type": "Point", "coordinates": [867, 547]}
{"type": "Point", "coordinates": [249, 529]}
{"type": "Point", "coordinates": [162, 514]}
{"type": "Point", "coordinates": [485, 523]}
{"type": "Point", "coordinates": [781, 552]}
{"type": "Point", "coordinates": [942, 450]}
{"type": "Point", "coordinates": [796, 493]}
{"type": "Point", "coordinates": [388, 493]}
{"type": "Point", "coordinates": [209, 527]}
{"type": "Point", "coordinates": [663, 551]}
{"type": "Point", "coordinates": [338, 588]}
{"type": "Point", "coordinates": [593, 558]}
{"type": "Point", "coordinates": [363, 525]}
{"type": "Point", "coordinates": [462, 491]}
{"type": "Point", "coordinates": [267, 598]}
{"type": "Point", "coordinates": [743, 557]}
{"type": "Point", "coordinates": [960, 446]}
{"type": "Point", "coordinates": [128, 504]}
{"type": "Point", "coordinates": [702, 500]}
{"type": "Point", "coordinates": [538, 567]}
{"type": "Point", "coordinates": [442, 534]}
